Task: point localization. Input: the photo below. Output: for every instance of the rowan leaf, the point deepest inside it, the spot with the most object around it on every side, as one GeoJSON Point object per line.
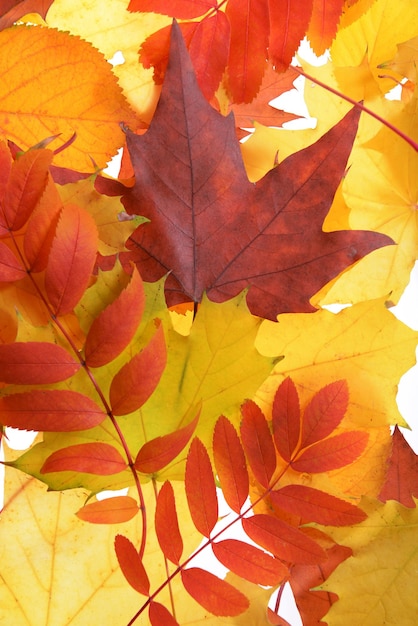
{"type": "Point", "coordinates": [131, 564]}
{"type": "Point", "coordinates": [136, 380]}
{"type": "Point", "coordinates": [204, 194]}
{"type": "Point", "coordinates": [323, 24]}
{"type": "Point", "coordinates": [284, 541]}
{"type": "Point", "coordinates": [401, 481]}
{"type": "Point", "coordinates": [286, 419]}
{"type": "Point", "coordinates": [230, 464]}
{"type": "Point", "coordinates": [115, 326]}
{"type": "Point", "coordinates": [50, 410]}
{"type": "Point", "coordinates": [183, 9]}
{"type": "Point", "coordinates": [71, 260]}
{"type": "Point", "coordinates": [201, 489]}
{"type": "Point", "coordinates": [250, 562]}
{"type": "Point", "coordinates": [317, 506]}
{"type": "Point", "coordinates": [289, 21]}
{"type": "Point", "coordinates": [35, 363]}
{"type": "Point", "coordinates": [11, 267]}
{"type": "Point", "coordinates": [158, 614]}
{"type": "Point", "coordinates": [109, 511]}
{"type": "Point", "coordinates": [167, 524]}
{"type": "Point", "coordinates": [324, 412]}
{"type": "Point", "coordinates": [331, 453]}
{"type": "Point", "coordinates": [214, 594]}
{"type": "Point", "coordinates": [93, 458]}
{"type": "Point", "coordinates": [258, 442]}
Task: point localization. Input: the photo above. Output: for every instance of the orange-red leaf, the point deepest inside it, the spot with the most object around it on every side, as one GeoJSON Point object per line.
{"type": "Point", "coordinates": [286, 419]}
{"type": "Point", "coordinates": [109, 511]}
{"type": "Point", "coordinates": [401, 481]}
{"type": "Point", "coordinates": [136, 380]}
{"type": "Point", "coordinates": [181, 9]}
{"type": "Point", "coordinates": [200, 488]}
{"type": "Point", "coordinates": [159, 615]}
{"type": "Point", "coordinates": [167, 525]}
{"type": "Point", "coordinates": [317, 506]}
{"type": "Point", "coordinates": [159, 452]}
{"type": "Point", "coordinates": [50, 410]}
{"type": "Point", "coordinates": [323, 25]}
{"type": "Point", "coordinates": [114, 328]}
{"type": "Point", "coordinates": [35, 363]}
{"type": "Point", "coordinates": [250, 562]}
{"type": "Point", "coordinates": [282, 540]}
{"type": "Point", "coordinates": [131, 565]}
{"type": "Point", "coordinates": [97, 458]}
{"type": "Point", "coordinates": [28, 178]}
{"type": "Point", "coordinates": [289, 20]}
{"type": "Point", "coordinates": [11, 11]}
{"type": "Point", "coordinates": [258, 442]}
{"type": "Point", "coordinates": [324, 412]}
{"type": "Point", "coordinates": [215, 595]}
{"type": "Point", "coordinates": [230, 464]}
{"type": "Point", "coordinates": [331, 453]}
{"type": "Point", "coordinates": [71, 260]}
{"type": "Point", "coordinates": [11, 268]}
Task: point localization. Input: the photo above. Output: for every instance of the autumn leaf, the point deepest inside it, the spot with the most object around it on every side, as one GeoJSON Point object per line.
{"type": "Point", "coordinates": [230, 463]}
{"type": "Point", "coordinates": [35, 363]}
{"type": "Point", "coordinates": [216, 595]}
{"type": "Point", "coordinates": [131, 564]}
{"type": "Point", "coordinates": [249, 562]}
{"type": "Point", "coordinates": [201, 489]}
{"type": "Point", "coordinates": [167, 524]}
{"type": "Point", "coordinates": [286, 32]}
{"type": "Point", "coordinates": [202, 208]}
{"type": "Point", "coordinates": [257, 442]}
{"type": "Point", "coordinates": [94, 458]}
{"type": "Point", "coordinates": [323, 24]}
{"type": "Point", "coordinates": [12, 10]}
{"type": "Point", "coordinates": [109, 511]}
{"type": "Point", "coordinates": [332, 453]}
{"type": "Point", "coordinates": [286, 419]}
{"type": "Point", "coordinates": [401, 481]}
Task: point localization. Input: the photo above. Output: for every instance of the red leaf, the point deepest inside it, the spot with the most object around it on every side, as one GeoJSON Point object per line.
{"type": "Point", "coordinates": [248, 49]}
{"type": "Point", "coordinates": [109, 511]}
{"type": "Point", "coordinates": [136, 380]}
{"type": "Point", "coordinates": [71, 260]}
{"type": "Point", "coordinates": [11, 268]}
{"type": "Point", "coordinates": [250, 562]}
{"type": "Point", "coordinates": [324, 23]}
{"type": "Point", "coordinates": [15, 9]}
{"type": "Point", "coordinates": [324, 412]}
{"type": "Point", "coordinates": [159, 615]}
{"type": "Point", "coordinates": [93, 458]}
{"type": "Point", "coordinates": [203, 195]}
{"type": "Point", "coordinates": [114, 328]}
{"type": "Point", "coordinates": [215, 595]}
{"type": "Point", "coordinates": [159, 452]}
{"type": "Point", "coordinates": [201, 489]}
{"type": "Point", "coordinates": [131, 565]}
{"type": "Point", "coordinates": [35, 363]}
{"type": "Point", "coordinates": [331, 453]}
{"type": "Point", "coordinates": [50, 411]}
{"type": "Point", "coordinates": [289, 20]}
{"type": "Point", "coordinates": [282, 540]}
{"type": "Point", "coordinates": [167, 525]}
{"type": "Point", "coordinates": [181, 9]}
{"type": "Point", "coordinates": [275, 619]}
{"type": "Point", "coordinates": [258, 442]}
{"type": "Point", "coordinates": [316, 506]}
{"type": "Point", "coordinates": [230, 464]}
{"type": "Point", "coordinates": [401, 482]}
{"type": "Point", "coordinates": [286, 419]}
{"type": "Point", "coordinates": [28, 178]}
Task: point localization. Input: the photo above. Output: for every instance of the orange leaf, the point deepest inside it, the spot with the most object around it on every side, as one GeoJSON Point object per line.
{"type": "Point", "coordinates": [155, 49]}
{"type": "Point", "coordinates": [215, 595]}
{"type": "Point", "coordinates": [93, 458]}
{"type": "Point", "coordinates": [258, 442]}
{"type": "Point", "coordinates": [289, 20]}
{"type": "Point", "coordinates": [331, 453]}
{"type": "Point", "coordinates": [324, 412]}
{"type": "Point", "coordinates": [181, 9]}
{"type": "Point", "coordinates": [230, 464]}
{"type": "Point", "coordinates": [131, 564]}
{"type": "Point", "coordinates": [167, 525]}
{"type": "Point", "coordinates": [28, 178]}
{"type": "Point", "coordinates": [316, 506]}
{"type": "Point", "coordinates": [114, 328]}
{"type": "Point", "coordinates": [323, 25]}
{"type": "Point", "coordinates": [71, 260]}
{"type": "Point", "coordinates": [109, 511]}
{"type": "Point", "coordinates": [282, 540]}
{"type": "Point", "coordinates": [401, 482]}
{"type": "Point", "coordinates": [51, 410]}
{"type": "Point", "coordinates": [250, 562]}
{"type": "Point", "coordinates": [11, 268]}
{"type": "Point", "coordinates": [159, 615]}
{"type": "Point", "coordinates": [286, 419]}
{"type": "Point", "coordinates": [159, 452]}
{"type": "Point", "coordinates": [136, 380]}
{"type": "Point", "coordinates": [201, 489]}
{"type": "Point", "coordinates": [208, 51]}
{"type": "Point", "coordinates": [35, 363]}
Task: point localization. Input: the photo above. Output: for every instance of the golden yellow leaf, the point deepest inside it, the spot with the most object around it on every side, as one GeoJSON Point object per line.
{"type": "Point", "coordinates": [56, 84]}
{"type": "Point", "coordinates": [405, 60]}
{"type": "Point", "coordinates": [377, 585]}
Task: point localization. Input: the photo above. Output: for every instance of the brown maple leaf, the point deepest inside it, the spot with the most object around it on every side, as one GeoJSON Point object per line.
{"type": "Point", "coordinates": [212, 230]}
{"type": "Point", "coordinates": [401, 481]}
